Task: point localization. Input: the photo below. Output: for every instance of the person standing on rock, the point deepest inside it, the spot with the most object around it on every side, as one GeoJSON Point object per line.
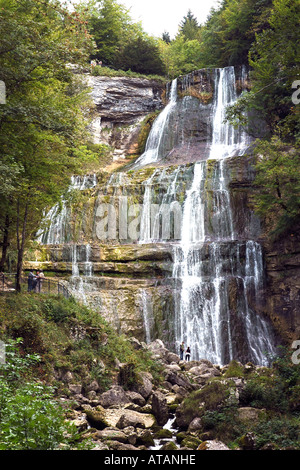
{"type": "Point", "coordinates": [188, 354]}
{"type": "Point", "coordinates": [181, 351]}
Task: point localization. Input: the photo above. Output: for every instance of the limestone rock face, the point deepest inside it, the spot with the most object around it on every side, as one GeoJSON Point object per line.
{"type": "Point", "coordinates": [121, 105]}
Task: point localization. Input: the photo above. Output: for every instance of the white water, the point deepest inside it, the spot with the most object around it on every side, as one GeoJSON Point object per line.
{"type": "Point", "coordinates": [80, 284]}
{"type": "Point", "coordinates": [226, 140]}
{"type": "Point", "coordinates": [57, 220]}
{"type": "Point", "coordinates": [203, 317]}
{"type": "Point", "coordinates": [155, 139]}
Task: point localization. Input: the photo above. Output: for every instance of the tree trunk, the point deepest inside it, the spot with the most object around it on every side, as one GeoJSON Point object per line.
{"type": "Point", "coordinates": [21, 239]}
{"type": "Point", "coordinates": [5, 243]}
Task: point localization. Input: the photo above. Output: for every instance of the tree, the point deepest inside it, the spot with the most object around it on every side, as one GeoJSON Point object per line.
{"type": "Point", "coordinates": [43, 118]}
{"type": "Point", "coordinates": [277, 177]}
{"type": "Point", "coordinates": [141, 54]}
{"type": "Point", "coordinates": [110, 25]}
{"type": "Point", "coordinates": [275, 66]}
{"type": "Point", "coordinates": [181, 56]}
{"type": "Point", "coordinates": [166, 37]}
{"type": "Point", "coordinates": [189, 27]}
{"type": "Point", "coordinates": [229, 31]}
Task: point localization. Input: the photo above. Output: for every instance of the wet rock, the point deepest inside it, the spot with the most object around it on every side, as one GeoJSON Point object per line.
{"type": "Point", "coordinates": [97, 417]}
{"type": "Point", "coordinates": [145, 438]}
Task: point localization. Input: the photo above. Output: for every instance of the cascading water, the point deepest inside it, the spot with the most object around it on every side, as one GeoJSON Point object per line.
{"type": "Point", "coordinates": [217, 266]}
{"type": "Point", "coordinates": [81, 284]}
{"type": "Point", "coordinates": [57, 220]}
{"type": "Point", "coordinates": [203, 315]}
{"type": "Point", "coordinates": [153, 150]}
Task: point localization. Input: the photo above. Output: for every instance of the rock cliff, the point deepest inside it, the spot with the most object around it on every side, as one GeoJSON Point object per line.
{"type": "Point", "coordinates": [131, 283]}
{"type": "Point", "coordinates": [121, 106]}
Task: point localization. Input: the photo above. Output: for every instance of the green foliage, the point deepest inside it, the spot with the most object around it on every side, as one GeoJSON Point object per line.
{"type": "Point", "coordinates": [189, 27]}
{"type": "Point", "coordinates": [280, 432]}
{"type": "Point", "coordinates": [140, 54]}
{"type": "Point", "coordinates": [108, 72]}
{"type": "Point", "coordinates": [44, 117]}
{"type": "Point", "coordinates": [30, 418]}
{"type": "Point", "coordinates": [110, 25]}
{"type": "Point", "coordinates": [274, 59]}
{"type": "Point", "coordinates": [235, 369]}
{"type": "Point", "coordinates": [69, 336]}
{"type": "Point", "coordinates": [278, 180]}
{"type": "Point", "coordinates": [230, 30]}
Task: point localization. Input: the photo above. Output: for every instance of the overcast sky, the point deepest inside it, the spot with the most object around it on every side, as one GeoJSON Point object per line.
{"type": "Point", "coordinates": [158, 16]}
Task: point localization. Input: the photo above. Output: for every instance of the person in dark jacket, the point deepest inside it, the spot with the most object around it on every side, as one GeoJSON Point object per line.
{"type": "Point", "coordinates": [188, 354]}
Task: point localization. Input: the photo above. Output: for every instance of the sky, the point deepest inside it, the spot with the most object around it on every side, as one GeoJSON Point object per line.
{"type": "Point", "coordinates": [158, 16]}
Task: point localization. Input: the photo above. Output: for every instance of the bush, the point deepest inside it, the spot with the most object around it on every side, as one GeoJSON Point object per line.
{"type": "Point", "coordinates": [280, 431]}
{"type": "Point", "coordinates": [30, 418]}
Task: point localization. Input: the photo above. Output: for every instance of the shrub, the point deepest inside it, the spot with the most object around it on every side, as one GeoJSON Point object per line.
{"type": "Point", "coordinates": [30, 418]}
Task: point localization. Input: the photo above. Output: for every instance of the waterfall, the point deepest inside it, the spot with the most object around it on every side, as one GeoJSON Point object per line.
{"type": "Point", "coordinates": [202, 267]}
{"type": "Point", "coordinates": [57, 220]}
{"type": "Point", "coordinates": [226, 140]}
{"type": "Point", "coordinates": [155, 140]}
{"type": "Point", "coordinates": [80, 284]}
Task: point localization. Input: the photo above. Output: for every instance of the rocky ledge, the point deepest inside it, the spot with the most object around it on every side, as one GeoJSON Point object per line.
{"type": "Point", "coordinates": [139, 415]}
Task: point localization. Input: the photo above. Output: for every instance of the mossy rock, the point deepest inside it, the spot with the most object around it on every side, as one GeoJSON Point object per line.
{"type": "Point", "coordinates": [97, 417]}
{"type": "Point", "coordinates": [180, 436]}
{"type": "Point", "coordinates": [162, 434]}
{"type": "Point", "coordinates": [191, 442]}
{"type": "Point", "coordinates": [145, 438]}
{"type": "Point", "coordinates": [169, 446]}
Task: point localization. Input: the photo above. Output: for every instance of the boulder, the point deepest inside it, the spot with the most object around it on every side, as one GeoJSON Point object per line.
{"type": "Point", "coordinates": [143, 385]}
{"type": "Point", "coordinates": [195, 425]}
{"type": "Point", "coordinates": [136, 398]}
{"type": "Point", "coordinates": [248, 441]}
{"type": "Point", "coordinates": [178, 379]}
{"type": "Point", "coordinates": [97, 417]}
{"type": "Point", "coordinates": [248, 414]}
{"type": "Point", "coordinates": [135, 419]}
{"type": "Point", "coordinates": [160, 408]}
{"type": "Point", "coordinates": [212, 445]}
{"type": "Point", "coordinates": [75, 389]}
{"type": "Point", "coordinates": [116, 396]}
{"type": "Point", "coordinates": [111, 434]}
